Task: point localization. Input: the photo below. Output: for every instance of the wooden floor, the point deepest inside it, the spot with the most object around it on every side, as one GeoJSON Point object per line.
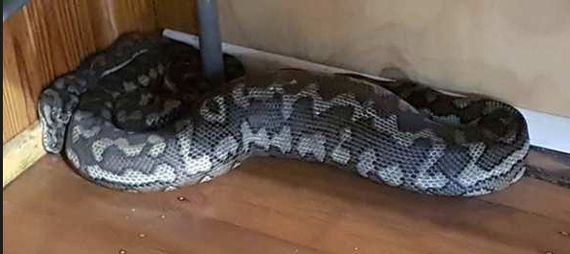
{"type": "Point", "coordinates": [276, 206]}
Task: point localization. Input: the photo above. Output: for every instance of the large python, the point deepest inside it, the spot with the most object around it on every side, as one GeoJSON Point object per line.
{"type": "Point", "coordinates": [140, 117]}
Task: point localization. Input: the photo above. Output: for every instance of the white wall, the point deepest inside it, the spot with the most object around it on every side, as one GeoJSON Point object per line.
{"type": "Point", "coordinates": [514, 50]}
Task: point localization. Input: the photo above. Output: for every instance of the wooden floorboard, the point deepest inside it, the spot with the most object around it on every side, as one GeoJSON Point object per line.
{"type": "Point", "coordinates": [535, 196]}
{"type": "Point", "coordinates": [550, 166]}
{"type": "Point", "coordinates": [275, 206]}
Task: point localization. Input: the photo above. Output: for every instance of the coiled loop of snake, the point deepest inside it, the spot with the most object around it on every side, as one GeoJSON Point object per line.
{"type": "Point", "coordinates": [140, 117]}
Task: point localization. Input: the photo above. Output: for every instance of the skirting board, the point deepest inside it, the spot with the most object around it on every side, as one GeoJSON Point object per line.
{"type": "Point", "coordinates": [546, 130]}
{"type": "Point", "coordinates": [21, 152]}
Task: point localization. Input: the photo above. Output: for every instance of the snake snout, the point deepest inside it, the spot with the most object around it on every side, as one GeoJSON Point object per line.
{"type": "Point", "coordinates": [52, 130]}
{"type": "Point", "coordinates": [55, 109]}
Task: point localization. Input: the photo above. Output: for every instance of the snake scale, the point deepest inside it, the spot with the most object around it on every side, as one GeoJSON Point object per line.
{"type": "Point", "coordinates": [140, 116]}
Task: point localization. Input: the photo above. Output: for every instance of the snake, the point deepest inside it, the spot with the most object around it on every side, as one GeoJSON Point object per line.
{"type": "Point", "coordinates": [140, 116]}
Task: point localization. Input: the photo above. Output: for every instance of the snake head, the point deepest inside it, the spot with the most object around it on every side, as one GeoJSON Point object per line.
{"type": "Point", "coordinates": [55, 109]}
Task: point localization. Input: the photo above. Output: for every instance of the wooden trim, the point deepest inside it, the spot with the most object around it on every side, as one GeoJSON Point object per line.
{"type": "Point", "coordinates": [21, 152]}
{"type": "Point", "coordinates": [548, 165]}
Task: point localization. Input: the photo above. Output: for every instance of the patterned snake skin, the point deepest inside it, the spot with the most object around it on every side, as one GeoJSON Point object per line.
{"type": "Point", "coordinates": [140, 117]}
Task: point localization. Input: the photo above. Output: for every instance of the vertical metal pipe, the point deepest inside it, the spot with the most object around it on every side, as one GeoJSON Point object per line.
{"type": "Point", "coordinates": [9, 7]}
{"type": "Point", "coordinates": [210, 41]}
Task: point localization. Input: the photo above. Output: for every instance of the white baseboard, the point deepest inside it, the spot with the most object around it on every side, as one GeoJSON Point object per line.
{"type": "Point", "coordinates": [546, 130]}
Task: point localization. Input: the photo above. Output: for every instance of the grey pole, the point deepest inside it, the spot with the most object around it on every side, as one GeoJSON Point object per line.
{"type": "Point", "coordinates": [210, 41]}
{"type": "Point", "coordinates": [9, 7]}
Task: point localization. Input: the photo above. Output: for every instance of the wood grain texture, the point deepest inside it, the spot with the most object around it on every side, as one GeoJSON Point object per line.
{"type": "Point", "coordinates": [549, 166]}
{"type": "Point", "coordinates": [49, 38]}
{"type": "Point", "coordinates": [270, 206]}
{"type": "Point", "coordinates": [178, 15]}
{"type": "Point", "coordinates": [537, 197]}
{"type": "Point", "coordinates": [112, 18]}
{"type": "Point", "coordinates": [21, 153]}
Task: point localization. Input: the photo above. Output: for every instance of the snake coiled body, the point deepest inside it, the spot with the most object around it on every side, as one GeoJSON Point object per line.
{"type": "Point", "coordinates": [136, 118]}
